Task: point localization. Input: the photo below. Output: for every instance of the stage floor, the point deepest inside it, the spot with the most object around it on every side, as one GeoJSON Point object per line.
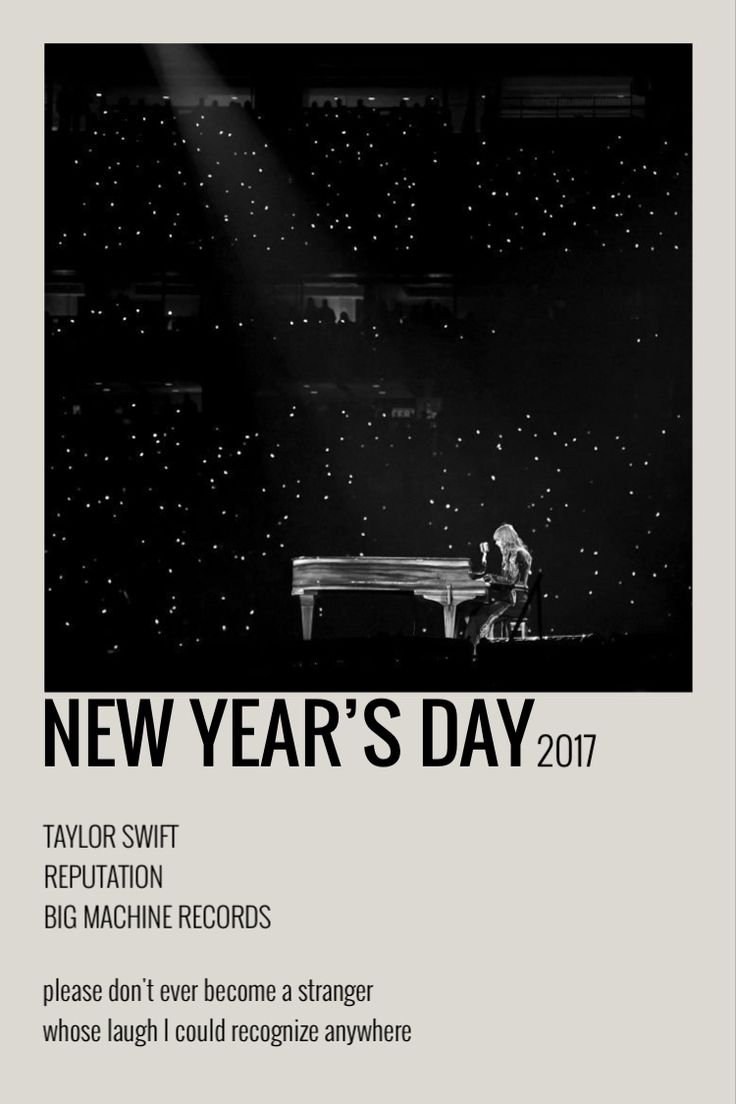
{"type": "Point", "coordinates": [383, 663]}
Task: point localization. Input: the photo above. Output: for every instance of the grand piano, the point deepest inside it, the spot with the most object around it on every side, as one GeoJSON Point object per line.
{"type": "Point", "coordinates": [443, 579]}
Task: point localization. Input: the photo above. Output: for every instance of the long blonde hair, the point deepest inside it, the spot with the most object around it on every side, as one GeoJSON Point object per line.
{"type": "Point", "coordinates": [511, 544]}
{"type": "Point", "coordinates": [508, 538]}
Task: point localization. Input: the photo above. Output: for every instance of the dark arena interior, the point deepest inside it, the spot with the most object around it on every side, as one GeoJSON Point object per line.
{"type": "Point", "coordinates": [360, 301]}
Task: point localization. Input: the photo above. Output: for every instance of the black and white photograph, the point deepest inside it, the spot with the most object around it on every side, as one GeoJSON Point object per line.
{"type": "Point", "coordinates": [368, 366]}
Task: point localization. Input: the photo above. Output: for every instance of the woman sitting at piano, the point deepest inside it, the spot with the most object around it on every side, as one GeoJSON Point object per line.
{"type": "Point", "coordinates": [516, 564]}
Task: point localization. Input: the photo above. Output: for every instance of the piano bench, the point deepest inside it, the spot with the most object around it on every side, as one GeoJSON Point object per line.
{"type": "Point", "coordinates": [503, 627]}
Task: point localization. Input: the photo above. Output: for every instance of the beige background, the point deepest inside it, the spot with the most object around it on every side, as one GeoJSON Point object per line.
{"type": "Point", "coordinates": [550, 935]}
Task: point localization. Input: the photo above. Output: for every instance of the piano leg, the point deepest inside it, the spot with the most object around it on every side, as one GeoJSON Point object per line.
{"type": "Point", "coordinates": [449, 610]}
{"type": "Point", "coordinates": [306, 603]}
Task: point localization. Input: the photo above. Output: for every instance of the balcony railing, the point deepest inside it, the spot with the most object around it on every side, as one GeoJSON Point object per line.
{"type": "Point", "coordinates": [571, 107]}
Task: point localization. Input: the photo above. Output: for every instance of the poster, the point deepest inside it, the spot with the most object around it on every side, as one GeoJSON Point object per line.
{"type": "Point", "coordinates": [373, 862]}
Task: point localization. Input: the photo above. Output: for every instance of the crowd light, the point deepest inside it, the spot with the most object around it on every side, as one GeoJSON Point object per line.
{"type": "Point", "coordinates": [133, 192]}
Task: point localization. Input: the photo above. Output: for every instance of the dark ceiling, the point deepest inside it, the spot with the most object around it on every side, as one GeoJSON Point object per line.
{"type": "Point", "coordinates": [117, 64]}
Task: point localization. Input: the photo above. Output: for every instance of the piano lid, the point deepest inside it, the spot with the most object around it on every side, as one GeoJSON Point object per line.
{"type": "Point", "coordinates": [381, 573]}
